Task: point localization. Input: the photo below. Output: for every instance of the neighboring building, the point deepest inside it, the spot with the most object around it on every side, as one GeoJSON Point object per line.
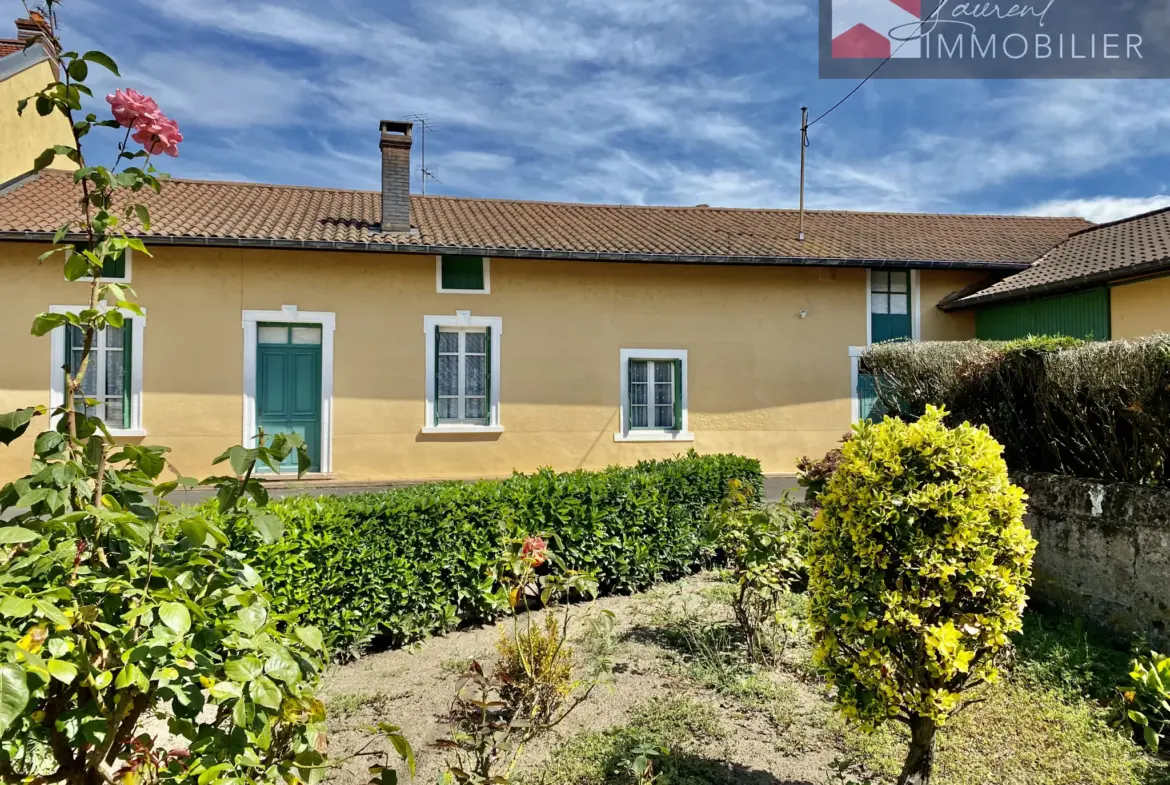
{"type": "Point", "coordinates": [1105, 282]}
{"type": "Point", "coordinates": [414, 337]}
{"type": "Point", "coordinates": [24, 71]}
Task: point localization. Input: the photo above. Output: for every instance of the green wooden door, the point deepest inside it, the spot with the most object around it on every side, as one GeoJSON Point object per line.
{"type": "Point", "coordinates": [288, 385]}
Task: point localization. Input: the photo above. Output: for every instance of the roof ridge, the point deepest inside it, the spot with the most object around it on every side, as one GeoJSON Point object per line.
{"type": "Point", "coordinates": [1120, 221]}
{"type": "Point", "coordinates": [619, 206]}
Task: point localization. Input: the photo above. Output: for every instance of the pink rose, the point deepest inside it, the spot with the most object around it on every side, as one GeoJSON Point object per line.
{"type": "Point", "coordinates": [129, 105]}
{"type": "Point", "coordinates": [534, 551]}
{"type": "Point", "coordinates": [158, 134]}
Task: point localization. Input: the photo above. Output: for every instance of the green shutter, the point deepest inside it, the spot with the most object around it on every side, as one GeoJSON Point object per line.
{"type": "Point", "coordinates": [115, 267]}
{"type": "Point", "coordinates": [436, 378]}
{"type": "Point", "coordinates": [629, 395]}
{"type": "Point", "coordinates": [127, 365]}
{"type": "Point", "coordinates": [678, 394]}
{"type": "Point", "coordinates": [487, 391]}
{"type": "Point", "coordinates": [462, 272]}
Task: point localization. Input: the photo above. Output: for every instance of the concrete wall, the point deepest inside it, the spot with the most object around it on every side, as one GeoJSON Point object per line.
{"type": "Point", "coordinates": [1104, 551]}
{"type": "Point", "coordinates": [762, 381]}
{"type": "Point", "coordinates": [24, 137]}
{"type": "Point", "coordinates": [1141, 308]}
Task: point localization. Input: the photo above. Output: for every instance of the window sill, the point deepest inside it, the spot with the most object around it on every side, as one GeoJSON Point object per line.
{"type": "Point", "coordinates": [127, 433]}
{"type": "Point", "coordinates": [463, 291]}
{"type": "Point", "coordinates": [654, 436]}
{"type": "Point", "coordinates": [436, 429]}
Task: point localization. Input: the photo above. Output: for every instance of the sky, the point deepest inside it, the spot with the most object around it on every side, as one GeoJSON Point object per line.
{"type": "Point", "coordinates": [615, 101]}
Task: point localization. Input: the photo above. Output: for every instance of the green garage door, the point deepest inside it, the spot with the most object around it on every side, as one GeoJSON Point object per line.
{"type": "Point", "coordinates": [1082, 315]}
{"type": "Point", "coordinates": [288, 385]}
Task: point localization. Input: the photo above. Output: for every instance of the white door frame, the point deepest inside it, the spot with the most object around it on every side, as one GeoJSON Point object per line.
{"type": "Point", "coordinates": [288, 314]}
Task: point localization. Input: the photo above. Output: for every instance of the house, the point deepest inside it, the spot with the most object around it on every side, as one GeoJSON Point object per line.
{"type": "Point", "coordinates": [23, 71]}
{"type": "Point", "coordinates": [412, 337]}
{"type": "Point", "coordinates": [1104, 282]}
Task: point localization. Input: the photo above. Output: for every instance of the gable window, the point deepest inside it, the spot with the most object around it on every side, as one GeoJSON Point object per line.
{"type": "Point", "coordinates": [112, 387]}
{"type": "Point", "coordinates": [455, 274]}
{"type": "Point", "coordinates": [653, 395]}
{"type": "Point", "coordinates": [463, 372]}
{"type": "Point", "coordinates": [891, 305]}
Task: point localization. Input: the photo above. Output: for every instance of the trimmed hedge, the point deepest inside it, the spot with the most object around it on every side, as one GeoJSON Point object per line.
{"type": "Point", "coordinates": [395, 566]}
{"type": "Point", "coordinates": [1097, 411]}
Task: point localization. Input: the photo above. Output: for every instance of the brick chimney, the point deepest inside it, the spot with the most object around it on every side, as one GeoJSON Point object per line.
{"type": "Point", "coordinates": [395, 145]}
{"type": "Point", "coordinates": [30, 28]}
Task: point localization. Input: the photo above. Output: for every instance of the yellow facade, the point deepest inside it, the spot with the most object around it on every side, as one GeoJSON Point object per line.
{"type": "Point", "coordinates": [1142, 308]}
{"type": "Point", "coordinates": [762, 380]}
{"type": "Point", "coordinates": [24, 137]}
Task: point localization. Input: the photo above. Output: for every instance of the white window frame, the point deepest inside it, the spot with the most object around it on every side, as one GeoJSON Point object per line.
{"type": "Point", "coordinates": [915, 303]}
{"type": "Point", "coordinates": [627, 434]}
{"type": "Point", "coordinates": [58, 359]}
{"type": "Point", "coordinates": [124, 279]}
{"type": "Point", "coordinates": [463, 320]}
{"type": "Point", "coordinates": [290, 314]}
{"type": "Point", "coordinates": [487, 277]}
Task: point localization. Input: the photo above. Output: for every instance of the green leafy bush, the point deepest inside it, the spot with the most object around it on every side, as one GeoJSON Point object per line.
{"type": "Point", "coordinates": [1096, 410]}
{"type": "Point", "coordinates": [764, 547]}
{"type": "Point", "coordinates": [1145, 707]}
{"type": "Point", "coordinates": [918, 568]}
{"type": "Point", "coordinates": [399, 565]}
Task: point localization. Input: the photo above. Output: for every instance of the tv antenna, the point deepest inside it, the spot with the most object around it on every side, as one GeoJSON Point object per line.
{"type": "Point", "coordinates": [424, 172]}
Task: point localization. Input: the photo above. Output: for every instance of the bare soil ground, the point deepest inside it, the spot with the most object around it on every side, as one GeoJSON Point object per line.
{"type": "Point", "coordinates": [773, 733]}
{"type": "Point", "coordinates": [680, 679]}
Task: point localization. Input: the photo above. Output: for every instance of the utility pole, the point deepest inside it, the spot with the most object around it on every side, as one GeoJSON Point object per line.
{"type": "Point", "coordinates": [803, 147]}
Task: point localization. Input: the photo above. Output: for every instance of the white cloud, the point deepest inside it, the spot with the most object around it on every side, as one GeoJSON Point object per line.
{"type": "Point", "coordinates": [636, 101]}
{"type": "Point", "coordinates": [1100, 209]}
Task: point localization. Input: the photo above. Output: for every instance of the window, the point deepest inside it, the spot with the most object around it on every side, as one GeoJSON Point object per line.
{"type": "Point", "coordinates": [653, 395]}
{"type": "Point", "coordinates": [113, 379]}
{"type": "Point", "coordinates": [462, 376]}
{"type": "Point", "coordinates": [116, 270]}
{"type": "Point", "coordinates": [463, 373]}
{"type": "Point", "coordinates": [890, 305]}
{"type": "Point", "coordinates": [462, 275]}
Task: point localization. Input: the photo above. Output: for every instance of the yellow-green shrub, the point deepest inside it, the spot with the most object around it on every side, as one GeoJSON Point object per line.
{"type": "Point", "coordinates": [918, 567]}
{"type": "Point", "coordinates": [536, 669]}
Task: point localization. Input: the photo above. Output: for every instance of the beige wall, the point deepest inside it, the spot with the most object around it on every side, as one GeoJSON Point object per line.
{"type": "Point", "coordinates": [24, 137]}
{"type": "Point", "coordinates": [1141, 308]}
{"type": "Point", "coordinates": [762, 381]}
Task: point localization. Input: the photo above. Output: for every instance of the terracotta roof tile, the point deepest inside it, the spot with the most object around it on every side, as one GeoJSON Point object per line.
{"type": "Point", "coordinates": [7, 47]}
{"type": "Point", "coordinates": [197, 210]}
{"type": "Point", "coordinates": [1125, 248]}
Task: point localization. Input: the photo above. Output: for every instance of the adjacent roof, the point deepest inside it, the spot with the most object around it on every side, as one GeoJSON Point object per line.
{"type": "Point", "coordinates": [194, 212]}
{"type": "Point", "coordinates": [1123, 249]}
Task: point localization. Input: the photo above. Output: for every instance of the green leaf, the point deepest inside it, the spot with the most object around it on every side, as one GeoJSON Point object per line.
{"type": "Point", "coordinates": [78, 70]}
{"type": "Point", "coordinates": [270, 527]}
{"type": "Point", "coordinates": [127, 677]}
{"type": "Point", "coordinates": [64, 672]}
{"type": "Point", "coordinates": [13, 694]}
{"type": "Point", "coordinates": [115, 319]}
{"type": "Point", "coordinates": [212, 774]}
{"type": "Point", "coordinates": [46, 322]}
{"type": "Point", "coordinates": [76, 267]}
{"type": "Point", "coordinates": [265, 693]}
{"type": "Point", "coordinates": [176, 616]}
{"type": "Point", "coordinates": [102, 59]}
{"type": "Point", "coordinates": [311, 637]}
{"type": "Point", "coordinates": [143, 216]}
{"type": "Point", "coordinates": [17, 607]}
{"type": "Point", "coordinates": [52, 613]}
{"type": "Point", "coordinates": [241, 459]}
{"type": "Point", "coordinates": [282, 665]}
{"type": "Point", "coordinates": [225, 690]}
{"type": "Point", "coordinates": [243, 670]}
{"type": "Point", "coordinates": [1152, 738]}
{"type": "Point", "coordinates": [45, 158]}
{"type": "Point", "coordinates": [14, 424]}
{"type": "Point", "coordinates": [10, 535]}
